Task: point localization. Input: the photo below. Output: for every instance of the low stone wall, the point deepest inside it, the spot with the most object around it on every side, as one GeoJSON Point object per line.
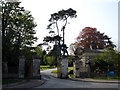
{"type": "Point", "coordinates": [21, 69]}
{"type": "Point", "coordinates": [10, 76]}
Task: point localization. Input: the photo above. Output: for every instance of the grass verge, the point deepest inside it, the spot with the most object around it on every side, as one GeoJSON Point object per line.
{"type": "Point", "coordinates": [45, 67]}
{"type": "Point", "coordinates": [72, 76]}
{"type": "Point", "coordinates": [69, 69]}
{"type": "Point", "coordinates": [100, 78]}
{"type": "Point", "coordinates": [106, 78]}
{"type": "Point", "coordinates": [54, 71]}
{"type": "Point", "coordinates": [95, 78]}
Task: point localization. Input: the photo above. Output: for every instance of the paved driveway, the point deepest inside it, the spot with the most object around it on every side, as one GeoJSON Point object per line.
{"type": "Point", "coordinates": [52, 82]}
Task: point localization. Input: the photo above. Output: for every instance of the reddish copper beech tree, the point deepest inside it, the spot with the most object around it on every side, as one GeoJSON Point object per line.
{"type": "Point", "coordinates": [90, 38]}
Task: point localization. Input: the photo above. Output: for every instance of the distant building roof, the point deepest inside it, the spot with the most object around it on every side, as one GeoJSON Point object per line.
{"type": "Point", "coordinates": [80, 50]}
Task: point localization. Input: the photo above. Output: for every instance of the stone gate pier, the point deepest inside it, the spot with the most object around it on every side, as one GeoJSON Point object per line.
{"type": "Point", "coordinates": [76, 65]}
{"type": "Point", "coordinates": [82, 65]}
{"type": "Point", "coordinates": [36, 67]}
{"type": "Point", "coordinates": [63, 68]}
{"type": "Point", "coordinates": [21, 69]}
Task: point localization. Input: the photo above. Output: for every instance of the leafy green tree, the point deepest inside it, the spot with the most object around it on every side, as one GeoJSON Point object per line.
{"type": "Point", "coordinates": [99, 64]}
{"type": "Point", "coordinates": [43, 57]}
{"type": "Point", "coordinates": [17, 30]}
{"type": "Point", "coordinates": [41, 53]}
{"type": "Point", "coordinates": [38, 51]}
{"type": "Point", "coordinates": [45, 60]}
{"type": "Point", "coordinates": [51, 60]}
{"type": "Point", "coordinates": [28, 61]}
{"type": "Point", "coordinates": [109, 60]}
{"type": "Point", "coordinates": [113, 58]}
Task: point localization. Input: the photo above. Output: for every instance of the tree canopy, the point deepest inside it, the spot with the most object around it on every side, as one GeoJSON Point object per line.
{"type": "Point", "coordinates": [17, 29]}
{"type": "Point", "coordinates": [61, 15]}
{"type": "Point", "coordinates": [58, 37]}
{"type": "Point", "coordinates": [90, 38]}
{"type": "Point", "coordinates": [109, 60]}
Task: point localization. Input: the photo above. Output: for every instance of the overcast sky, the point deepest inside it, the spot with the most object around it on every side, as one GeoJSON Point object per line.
{"type": "Point", "coordinates": [100, 14]}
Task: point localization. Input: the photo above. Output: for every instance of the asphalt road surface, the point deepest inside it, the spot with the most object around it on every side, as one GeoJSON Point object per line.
{"type": "Point", "coordinates": [52, 82]}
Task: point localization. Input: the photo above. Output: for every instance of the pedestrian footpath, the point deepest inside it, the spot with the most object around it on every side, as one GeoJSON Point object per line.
{"type": "Point", "coordinates": [25, 84]}
{"type": "Point", "coordinates": [35, 82]}
{"type": "Point", "coordinates": [89, 79]}
{"type": "Point", "coordinates": [92, 80]}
